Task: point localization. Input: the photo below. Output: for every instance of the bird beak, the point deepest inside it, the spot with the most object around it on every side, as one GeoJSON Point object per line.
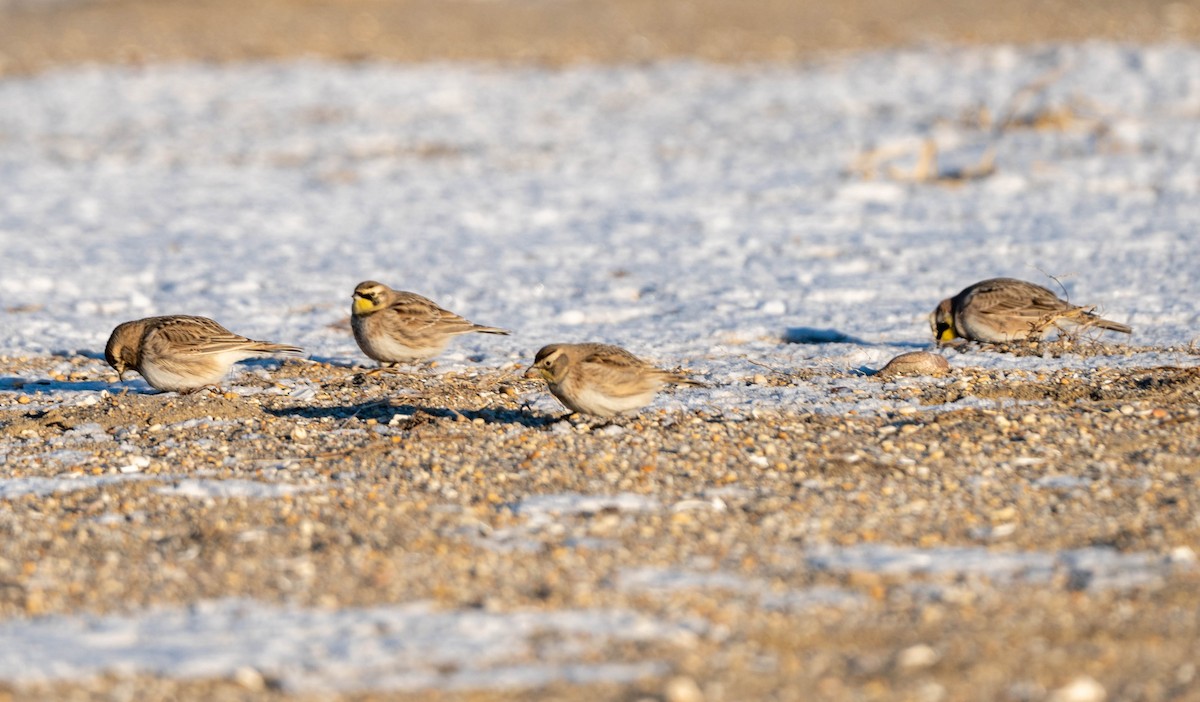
{"type": "Point", "coordinates": [532, 373]}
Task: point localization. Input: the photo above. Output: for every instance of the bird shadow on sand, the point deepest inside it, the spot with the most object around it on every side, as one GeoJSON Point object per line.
{"type": "Point", "coordinates": [406, 416]}
{"type": "Point", "coordinates": [15, 384]}
{"type": "Point", "coordinates": [337, 361]}
{"type": "Point", "coordinates": [813, 335]}
{"type": "Point", "coordinates": [78, 353]}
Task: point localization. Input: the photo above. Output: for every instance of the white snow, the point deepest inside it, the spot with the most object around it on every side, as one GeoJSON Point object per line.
{"type": "Point", "coordinates": [1090, 568]}
{"type": "Point", "coordinates": [699, 215]}
{"type": "Point", "coordinates": [545, 515]}
{"type": "Point", "coordinates": [227, 488]}
{"type": "Point", "coordinates": [1096, 567]}
{"type": "Point", "coordinates": [197, 488]}
{"type": "Point", "coordinates": [667, 581]}
{"type": "Point", "coordinates": [538, 508]}
{"type": "Point", "coordinates": [694, 213]}
{"type": "Point", "coordinates": [12, 488]}
{"type": "Point", "coordinates": [405, 647]}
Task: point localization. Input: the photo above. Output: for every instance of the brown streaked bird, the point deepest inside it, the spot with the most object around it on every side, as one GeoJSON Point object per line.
{"type": "Point", "coordinates": [601, 379]}
{"type": "Point", "coordinates": [394, 326]}
{"type": "Point", "coordinates": [1005, 309]}
{"type": "Point", "coordinates": [182, 353]}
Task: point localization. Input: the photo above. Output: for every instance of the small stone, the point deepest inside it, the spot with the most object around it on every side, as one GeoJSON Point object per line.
{"type": "Point", "coordinates": [1182, 554]}
{"type": "Point", "coordinates": [775, 307]}
{"type": "Point", "coordinates": [1004, 514]}
{"type": "Point", "coordinates": [249, 678]}
{"type": "Point", "coordinates": [1185, 674]}
{"type": "Point", "coordinates": [931, 692]}
{"type": "Point", "coordinates": [915, 363]}
{"type": "Point", "coordinates": [682, 689]}
{"type": "Point", "coordinates": [130, 468]}
{"type": "Point", "coordinates": [916, 657]}
{"type": "Point", "coordinates": [23, 400]}
{"type": "Point", "coordinates": [35, 603]}
{"type": "Point", "coordinates": [1081, 689]}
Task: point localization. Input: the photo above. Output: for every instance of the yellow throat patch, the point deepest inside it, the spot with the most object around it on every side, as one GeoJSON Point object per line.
{"type": "Point", "coordinates": [362, 305]}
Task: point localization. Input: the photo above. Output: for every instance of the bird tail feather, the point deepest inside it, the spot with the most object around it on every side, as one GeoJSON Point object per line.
{"type": "Point", "coordinates": [489, 330]}
{"type": "Point", "coordinates": [268, 347]}
{"type": "Point", "coordinates": [1111, 325]}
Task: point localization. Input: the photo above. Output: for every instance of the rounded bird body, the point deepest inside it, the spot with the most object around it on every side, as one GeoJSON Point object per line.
{"type": "Point", "coordinates": [1001, 310]}
{"type": "Point", "coordinates": [394, 326]}
{"type": "Point", "coordinates": [182, 353]}
{"type": "Point", "coordinates": [601, 379]}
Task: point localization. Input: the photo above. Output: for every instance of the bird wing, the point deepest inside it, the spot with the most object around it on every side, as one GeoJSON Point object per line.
{"type": "Point", "coordinates": [193, 335]}
{"type": "Point", "coordinates": [418, 314]}
{"type": "Point", "coordinates": [1023, 300]}
{"type": "Point", "coordinates": [622, 373]}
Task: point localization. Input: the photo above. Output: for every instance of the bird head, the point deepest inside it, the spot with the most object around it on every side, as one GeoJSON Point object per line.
{"type": "Point", "coordinates": [550, 364]}
{"type": "Point", "coordinates": [122, 351]}
{"type": "Point", "coordinates": [941, 322]}
{"type": "Point", "coordinates": [369, 297]}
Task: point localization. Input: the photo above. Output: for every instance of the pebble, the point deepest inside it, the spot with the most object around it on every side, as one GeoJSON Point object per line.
{"type": "Point", "coordinates": [1183, 555]}
{"type": "Point", "coordinates": [917, 657]}
{"type": "Point", "coordinates": [682, 689]}
{"type": "Point", "coordinates": [1081, 689]}
{"type": "Point", "coordinates": [136, 464]}
{"type": "Point", "coordinates": [250, 679]}
{"type": "Point", "coordinates": [915, 363]}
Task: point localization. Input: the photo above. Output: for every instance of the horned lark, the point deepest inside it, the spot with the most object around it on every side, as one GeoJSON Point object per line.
{"type": "Point", "coordinates": [600, 379]}
{"type": "Point", "coordinates": [181, 353]}
{"type": "Point", "coordinates": [1005, 309]}
{"type": "Point", "coordinates": [393, 326]}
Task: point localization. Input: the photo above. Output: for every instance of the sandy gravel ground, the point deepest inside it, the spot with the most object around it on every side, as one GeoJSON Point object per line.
{"type": "Point", "coordinates": [410, 488]}
{"type": "Point", "coordinates": [35, 34]}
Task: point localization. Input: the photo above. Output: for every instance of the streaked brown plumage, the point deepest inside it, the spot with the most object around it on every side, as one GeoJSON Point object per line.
{"type": "Point", "coordinates": [1005, 309]}
{"type": "Point", "coordinates": [182, 353]}
{"type": "Point", "coordinates": [601, 379]}
{"type": "Point", "coordinates": [394, 326]}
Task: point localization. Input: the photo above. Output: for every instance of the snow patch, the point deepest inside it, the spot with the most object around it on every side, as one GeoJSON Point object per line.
{"type": "Point", "coordinates": [403, 648]}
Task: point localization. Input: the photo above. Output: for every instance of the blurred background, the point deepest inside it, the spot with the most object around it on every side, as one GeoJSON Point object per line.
{"type": "Point", "coordinates": [38, 34]}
